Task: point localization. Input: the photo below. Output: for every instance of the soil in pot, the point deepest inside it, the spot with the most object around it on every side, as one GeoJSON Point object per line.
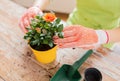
{"type": "Point", "coordinates": [43, 47]}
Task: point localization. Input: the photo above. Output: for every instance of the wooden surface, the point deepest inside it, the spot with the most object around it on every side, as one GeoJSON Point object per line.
{"type": "Point", "coordinates": [17, 62]}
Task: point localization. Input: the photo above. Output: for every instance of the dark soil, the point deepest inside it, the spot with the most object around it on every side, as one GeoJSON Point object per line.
{"type": "Point", "coordinates": [43, 47]}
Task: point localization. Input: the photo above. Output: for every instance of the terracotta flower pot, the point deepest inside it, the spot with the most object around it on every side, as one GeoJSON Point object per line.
{"type": "Point", "coordinates": [45, 56]}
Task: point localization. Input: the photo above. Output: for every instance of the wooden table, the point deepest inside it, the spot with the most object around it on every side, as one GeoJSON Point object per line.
{"type": "Point", "coordinates": [18, 64]}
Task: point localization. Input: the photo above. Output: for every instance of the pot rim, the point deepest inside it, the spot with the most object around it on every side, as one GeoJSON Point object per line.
{"type": "Point", "coordinates": [45, 50]}
{"type": "Point", "coordinates": [95, 70]}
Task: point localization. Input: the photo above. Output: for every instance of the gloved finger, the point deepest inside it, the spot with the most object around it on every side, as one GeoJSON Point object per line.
{"type": "Point", "coordinates": [22, 27]}
{"type": "Point", "coordinates": [65, 40]}
{"type": "Point", "coordinates": [69, 33]}
{"type": "Point", "coordinates": [29, 19]}
{"type": "Point", "coordinates": [74, 45]}
{"type": "Point", "coordinates": [31, 16]}
{"type": "Point", "coordinates": [74, 38]}
{"type": "Point", "coordinates": [26, 22]}
{"type": "Point", "coordinates": [66, 34]}
{"type": "Point", "coordinates": [68, 28]}
{"type": "Point", "coordinates": [22, 19]}
{"type": "Point", "coordinates": [40, 12]}
{"type": "Point", "coordinates": [32, 12]}
{"type": "Point", "coordinates": [21, 24]}
{"type": "Point", "coordinates": [68, 45]}
{"type": "Point", "coordinates": [27, 16]}
{"type": "Point", "coordinates": [87, 47]}
{"type": "Point", "coordinates": [91, 47]}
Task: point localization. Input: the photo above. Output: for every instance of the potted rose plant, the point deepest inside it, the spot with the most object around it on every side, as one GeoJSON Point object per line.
{"type": "Point", "coordinates": [40, 36]}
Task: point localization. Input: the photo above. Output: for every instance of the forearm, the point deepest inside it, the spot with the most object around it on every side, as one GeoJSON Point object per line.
{"type": "Point", "coordinates": [41, 3]}
{"type": "Point", "coordinates": [114, 35]}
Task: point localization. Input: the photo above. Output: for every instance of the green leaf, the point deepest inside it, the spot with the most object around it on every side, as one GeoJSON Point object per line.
{"type": "Point", "coordinates": [38, 43]}
{"type": "Point", "coordinates": [48, 37]}
{"type": "Point", "coordinates": [33, 23]}
{"type": "Point", "coordinates": [60, 34]}
{"type": "Point", "coordinates": [51, 44]}
{"type": "Point", "coordinates": [42, 35]}
{"type": "Point", "coordinates": [45, 41]}
{"type": "Point", "coordinates": [41, 38]}
{"type": "Point", "coordinates": [60, 28]}
{"type": "Point", "coordinates": [36, 36]}
{"type": "Point", "coordinates": [47, 25]}
{"type": "Point", "coordinates": [38, 16]}
{"type": "Point", "coordinates": [57, 21]}
{"type": "Point", "coordinates": [25, 37]}
{"type": "Point", "coordinates": [35, 42]}
{"type": "Point", "coordinates": [28, 28]}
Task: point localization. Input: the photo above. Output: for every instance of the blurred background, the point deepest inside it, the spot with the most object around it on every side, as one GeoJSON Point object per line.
{"type": "Point", "coordinates": [56, 5]}
{"type": "Point", "coordinates": [60, 7]}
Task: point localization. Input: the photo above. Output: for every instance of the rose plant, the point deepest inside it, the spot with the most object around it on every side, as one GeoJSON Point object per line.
{"type": "Point", "coordinates": [41, 31]}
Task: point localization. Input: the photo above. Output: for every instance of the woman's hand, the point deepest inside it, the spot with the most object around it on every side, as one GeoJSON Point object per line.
{"type": "Point", "coordinates": [79, 36]}
{"type": "Point", "coordinates": [26, 18]}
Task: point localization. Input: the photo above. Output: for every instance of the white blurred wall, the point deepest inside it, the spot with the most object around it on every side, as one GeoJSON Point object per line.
{"type": "Point", "coordinates": [64, 6]}
{"type": "Point", "coordinates": [26, 3]}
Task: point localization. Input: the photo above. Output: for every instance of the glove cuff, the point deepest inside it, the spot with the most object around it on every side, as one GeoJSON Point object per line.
{"type": "Point", "coordinates": [103, 37]}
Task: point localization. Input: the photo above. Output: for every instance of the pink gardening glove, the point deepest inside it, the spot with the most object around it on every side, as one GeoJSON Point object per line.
{"type": "Point", "coordinates": [79, 36]}
{"type": "Point", "coordinates": [28, 15]}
